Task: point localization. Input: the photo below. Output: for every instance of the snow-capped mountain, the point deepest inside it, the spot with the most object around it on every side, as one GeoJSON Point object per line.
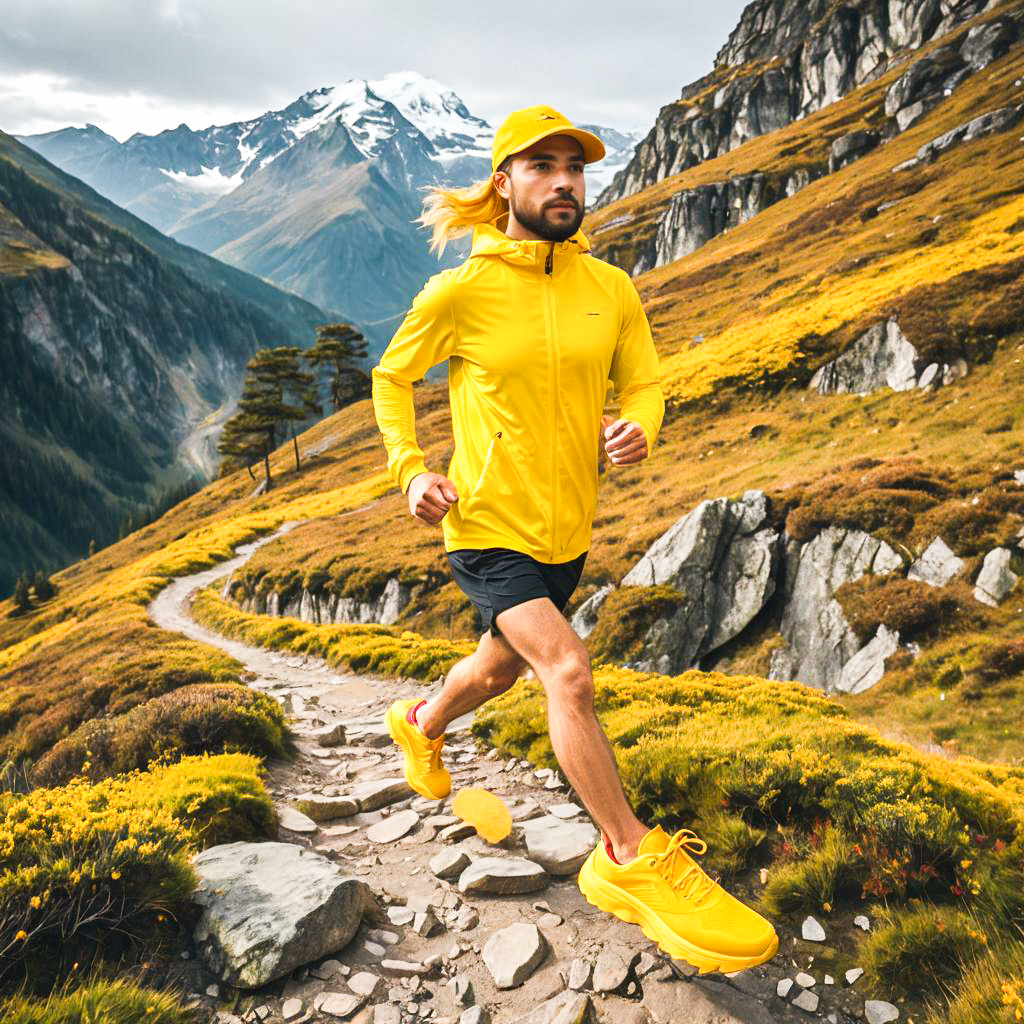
{"type": "Point", "coordinates": [315, 197]}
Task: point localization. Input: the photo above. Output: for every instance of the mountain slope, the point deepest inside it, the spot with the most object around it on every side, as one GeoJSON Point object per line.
{"type": "Point", "coordinates": [120, 348]}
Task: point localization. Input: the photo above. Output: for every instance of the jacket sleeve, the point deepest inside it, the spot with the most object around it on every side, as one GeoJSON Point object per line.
{"type": "Point", "coordinates": [425, 338]}
{"type": "Point", "coordinates": [636, 371]}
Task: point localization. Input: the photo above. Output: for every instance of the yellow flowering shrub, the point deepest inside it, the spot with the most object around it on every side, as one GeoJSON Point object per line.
{"type": "Point", "coordinates": [83, 865]}
{"type": "Point", "coordinates": [96, 1001]}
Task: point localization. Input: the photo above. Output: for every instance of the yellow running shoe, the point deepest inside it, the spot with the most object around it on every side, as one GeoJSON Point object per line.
{"type": "Point", "coordinates": [689, 915]}
{"type": "Point", "coordinates": [423, 769]}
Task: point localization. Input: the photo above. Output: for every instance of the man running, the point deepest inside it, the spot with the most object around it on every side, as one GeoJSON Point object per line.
{"type": "Point", "coordinates": [534, 327]}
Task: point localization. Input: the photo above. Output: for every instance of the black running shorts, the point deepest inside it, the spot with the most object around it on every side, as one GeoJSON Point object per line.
{"type": "Point", "coordinates": [498, 578]}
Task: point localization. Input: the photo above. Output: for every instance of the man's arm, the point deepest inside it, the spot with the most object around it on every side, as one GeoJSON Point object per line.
{"type": "Point", "coordinates": [425, 338]}
{"type": "Point", "coordinates": [636, 371]}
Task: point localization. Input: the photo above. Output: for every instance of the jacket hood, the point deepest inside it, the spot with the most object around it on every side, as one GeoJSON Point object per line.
{"type": "Point", "coordinates": [490, 240]}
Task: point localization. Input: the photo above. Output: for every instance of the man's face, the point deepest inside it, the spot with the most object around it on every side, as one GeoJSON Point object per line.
{"type": "Point", "coordinates": [545, 189]}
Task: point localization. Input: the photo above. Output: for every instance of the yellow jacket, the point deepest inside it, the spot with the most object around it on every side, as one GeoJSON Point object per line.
{"type": "Point", "coordinates": [532, 331]}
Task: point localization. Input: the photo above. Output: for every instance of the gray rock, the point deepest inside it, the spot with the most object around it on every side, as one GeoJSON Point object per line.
{"type": "Point", "coordinates": [860, 921]}
{"type": "Point", "coordinates": [721, 557]}
{"type": "Point", "coordinates": [400, 915]}
{"type": "Point", "coordinates": [291, 1008]}
{"type": "Point", "coordinates": [880, 357]}
{"type": "Point", "coordinates": [581, 972]}
{"type": "Point", "coordinates": [806, 1000]}
{"type": "Point", "coordinates": [878, 1011]}
{"type": "Point", "coordinates": [819, 639]}
{"type": "Point", "coordinates": [782, 987]}
{"type": "Point", "coordinates": [269, 907]}
{"type": "Point", "coordinates": [502, 876]}
{"type": "Point", "coordinates": [610, 971]}
{"type": "Point", "coordinates": [513, 953]}
{"type": "Point", "coordinates": [338, 1004]}
{"type": "Point", "coordinates": [811, 930]}
{"type": "Point", "coordinates": [805, 980]}
{"type": "Point", "coordinates": [565, 811]}
{"type": "Point", "coordinates": [867, 666]}
{"type": "Point", "coordinates": [326, 808]}
{"type": "Point", "coordinates": [294, 820]}
{"type": "Point", "coordinates": [393, 827]}
{"type": "Point", "coordinates": [584, 619]}
{"type": "Point", "coordinates": [363, 983]}
{"type": "Point", "coordinates": [475, 1015]}
{"type": "Point", "coordinates": [565, 1008]}
{"type": "Point", "coordinates": [560, 847]}
{"type": "Point", "coordinates": [936, 565]}
{"type": "Point", "coordinates": [379, 793]}
{"type": "Point", "coordinates": [450, 863]}
{"type": "Point", "coordinates": [457, 832]}
{"type": "Point", "coordinates": [329, 735]}
{"type": "Point", "coordinates": [985, 124]}
{"type": "Point", "coordinates": [853, 974]}
{"type": "Point", "coordinates": [996, 579]}
{"type": "Point", "coordinates": [387, 1013]}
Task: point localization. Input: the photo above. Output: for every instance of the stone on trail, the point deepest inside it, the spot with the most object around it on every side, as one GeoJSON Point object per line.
{"type": "Point", "coordinates": [806, 1000]}
{"type": "Point", "coordinates": [565, 810]}
{"type": "Point", "coordinates": [270, 907]}
{"type": "Point", "coordinates": [811, 930]}
{"type": "Point", "coordinates": [365, 984]}
{"type": "Point", "coordinates": [853, 974]}
{"type": "Point", "coordinates": [326, 808]}
{"type": "Point", "coordinates": [291, 1008]}
{"type": "Point", "coordinates": [503, 876]}
{"type": "Point", "coordinates": [878, 1011]}
{"type": "Point", "coordinates": [560, 847]}
{"type": "Point", "coordinates": [565, 1008]}
{"type": "Point", "coordinates": [862, 922]}
{"type": "Point", "coordinates": [450, 863]}
{"type": "Point", "coordinates": [393, 827]}
{"type": "Point", "coordinates": [294, 820]}
{"type": "Point", "coordinates": [474, 1015]}
{"type": "Point", "coordinates": [329, 735]}
{"type": "Point", "coordinates": [580, 973]}
{"type": "Point", "coordinates": [805, 980]}
{"type": "Point", "coordinates": [513, 953]}
{"type": "Point", "coordinates": [338, 1004]}
{"type": "Point", "coordinates": [379, 793]}
{"type": "Point", "coordinates": [610, 971]}
{"type": "Point", "coordinates": [783, 986]}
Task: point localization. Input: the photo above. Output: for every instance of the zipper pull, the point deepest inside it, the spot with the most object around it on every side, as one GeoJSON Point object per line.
{"type": "Point", "coordinates": [547, 262]}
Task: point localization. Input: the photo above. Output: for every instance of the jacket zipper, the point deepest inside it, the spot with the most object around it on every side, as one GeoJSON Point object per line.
{"type": "Point", "coordinates": [553, 388]}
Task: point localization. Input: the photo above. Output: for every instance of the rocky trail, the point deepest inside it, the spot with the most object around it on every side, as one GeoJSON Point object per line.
{"type": "Point", "coordinates": [378, 906]}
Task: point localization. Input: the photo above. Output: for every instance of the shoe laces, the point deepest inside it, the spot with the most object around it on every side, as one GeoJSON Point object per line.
{"type": "Point", "coordinates": [686, 878]}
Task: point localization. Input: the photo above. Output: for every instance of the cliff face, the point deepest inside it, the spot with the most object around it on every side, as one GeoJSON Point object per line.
{"type": "Point", "coordinates": [786, 59]}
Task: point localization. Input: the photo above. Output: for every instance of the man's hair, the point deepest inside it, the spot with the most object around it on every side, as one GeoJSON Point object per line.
{"type": "Point", "coordinates": [452, 212]}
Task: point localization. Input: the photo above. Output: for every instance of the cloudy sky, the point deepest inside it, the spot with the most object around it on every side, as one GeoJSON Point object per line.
{"type": "Point", "coordinates": [147, 65]}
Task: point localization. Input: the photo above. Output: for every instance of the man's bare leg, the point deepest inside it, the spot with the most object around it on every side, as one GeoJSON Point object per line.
{"type": "Point", "coordinates": [491, 669]}
{"type": "Point", "coordinates": [538, 631]}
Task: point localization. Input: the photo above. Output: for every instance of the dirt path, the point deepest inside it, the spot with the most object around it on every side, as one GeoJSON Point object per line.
{"type": "Point", "coordinates": [634, 983]}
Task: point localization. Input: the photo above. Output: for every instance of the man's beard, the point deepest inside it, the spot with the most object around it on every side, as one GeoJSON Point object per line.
{"type": "Point", "coordinates": [539, 223]}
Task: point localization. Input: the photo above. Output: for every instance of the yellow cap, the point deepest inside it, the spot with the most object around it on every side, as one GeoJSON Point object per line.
{"type": "Point", "coordinates": [524, 127]}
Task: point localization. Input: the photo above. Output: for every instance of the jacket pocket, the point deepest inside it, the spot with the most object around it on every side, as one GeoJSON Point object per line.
{"type": "Point", "coordinates": [486, 471]}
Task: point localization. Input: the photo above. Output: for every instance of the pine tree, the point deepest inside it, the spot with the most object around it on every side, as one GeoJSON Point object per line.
{"type": "Point", "coordinates": [43, 586]}
{"type": "Point", "coordinates": [22, 600]}
{"type": "Point", "coordinates": [276, 391]}
{"type": "Point", "coordinates": [338, 349]}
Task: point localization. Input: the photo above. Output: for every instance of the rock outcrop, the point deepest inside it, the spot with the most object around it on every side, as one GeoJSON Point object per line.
{"type": "Point", "coordinates": [326, 608]}
{"type": "Point", "coordinates": [722, 557]}
{"type": "Point", "coordinates": [883, 357]}
{"type": "Point", "coordinates": [819, 640]}
{"type": "Point", "coordinates": [786, 59]}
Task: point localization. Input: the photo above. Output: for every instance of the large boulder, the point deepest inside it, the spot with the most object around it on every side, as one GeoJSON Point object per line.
{"type": "Point", "coordinates": [270, 907]}
{"type": "Point", "coordinates": [722, 557]}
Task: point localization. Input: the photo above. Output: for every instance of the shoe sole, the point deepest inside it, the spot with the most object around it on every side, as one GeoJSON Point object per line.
{"type": "Point", "coordinates": [410, 764]}
{"type": "Point", "coordinates": [614, 900]}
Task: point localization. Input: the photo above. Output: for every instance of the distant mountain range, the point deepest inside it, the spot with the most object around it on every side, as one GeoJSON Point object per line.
{"type": "Point", "coordinates": [318, 197]}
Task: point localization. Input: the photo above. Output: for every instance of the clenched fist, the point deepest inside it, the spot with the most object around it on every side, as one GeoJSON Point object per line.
{"type": "Point", "coordinates": [623, 440]}
{"type": "Point", "coordinates": [430, 496]}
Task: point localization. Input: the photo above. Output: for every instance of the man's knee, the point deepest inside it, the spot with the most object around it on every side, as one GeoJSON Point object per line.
{"type": "Point", "coordinates": [571, 679]}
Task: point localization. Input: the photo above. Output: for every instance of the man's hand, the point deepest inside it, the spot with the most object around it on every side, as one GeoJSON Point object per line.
{"type": "Point", "coordinates": [430, 496]}
{"type": "Point", "coordinates": [623, 440]}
